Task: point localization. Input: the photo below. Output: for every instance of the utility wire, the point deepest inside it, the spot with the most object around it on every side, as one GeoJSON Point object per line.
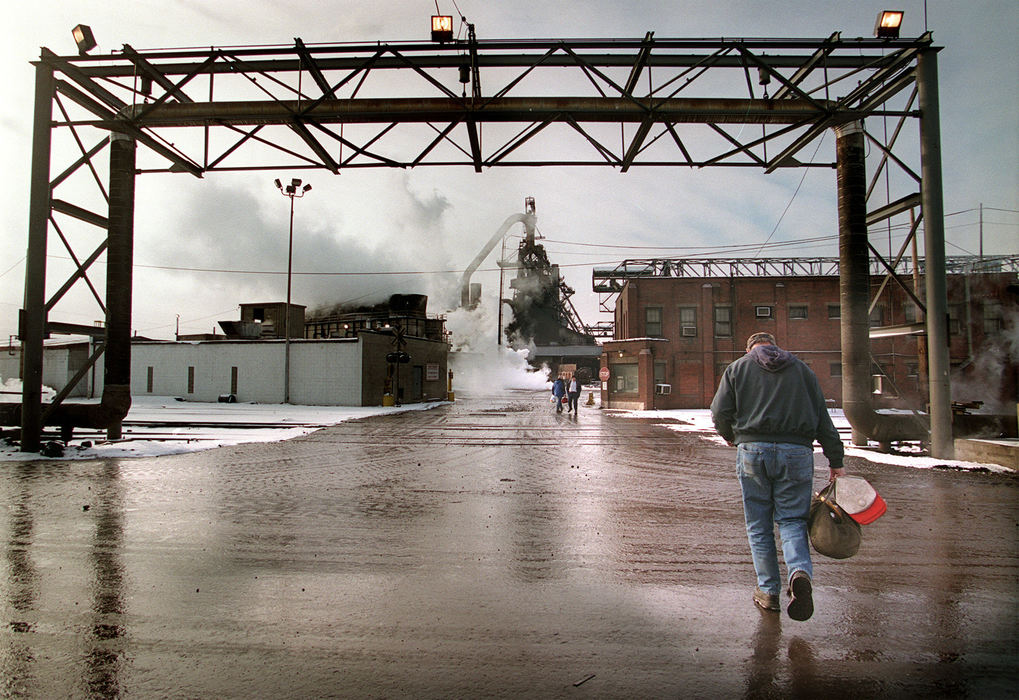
{"type": "Point", "coordinates": [793, 198]}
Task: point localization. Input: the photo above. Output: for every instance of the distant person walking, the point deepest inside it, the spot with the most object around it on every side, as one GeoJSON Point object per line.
{"type": "Point", "coordinates": [573, 392]}
{"type": "Point", "coordinates": [769, 404]}
{"type": "Point", "coordinates": [558, 392]}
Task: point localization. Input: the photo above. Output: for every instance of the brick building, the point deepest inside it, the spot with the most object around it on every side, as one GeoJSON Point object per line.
{"type": "Point", "coordinates": [679, 323]}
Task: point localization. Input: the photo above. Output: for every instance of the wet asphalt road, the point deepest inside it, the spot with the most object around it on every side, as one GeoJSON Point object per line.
{"type": "Point", "coordinates": [488, 548]}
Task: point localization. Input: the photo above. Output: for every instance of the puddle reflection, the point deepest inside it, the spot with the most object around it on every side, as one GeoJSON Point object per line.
{"type": "Point", "coordinates": [21, 591]}
{"type": "Point", "coordinates": [36, 517]}
{"type": "Point", "coordinates": [764, 665]}
{"type": "Point", "coordinates": [104, 652]}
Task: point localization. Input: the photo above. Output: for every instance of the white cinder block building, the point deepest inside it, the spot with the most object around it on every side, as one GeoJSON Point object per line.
{"type": "Point", "coordinates": [327, 372]}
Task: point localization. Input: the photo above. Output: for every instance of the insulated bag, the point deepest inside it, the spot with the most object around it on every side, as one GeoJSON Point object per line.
{"type": "Point", "coordinates": [832, 532]}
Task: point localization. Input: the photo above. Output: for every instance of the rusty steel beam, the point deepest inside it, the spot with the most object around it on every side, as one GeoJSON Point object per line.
{"type": "Point", "coordinates": [505, 109]}
{"type": "Point", "coordinates": [501, 53]}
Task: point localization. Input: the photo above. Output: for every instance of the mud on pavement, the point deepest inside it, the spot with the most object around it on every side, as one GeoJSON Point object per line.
{"type": "Point", "coordinates": [490, 548]}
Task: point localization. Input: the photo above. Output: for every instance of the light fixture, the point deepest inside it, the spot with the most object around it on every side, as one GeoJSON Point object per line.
{"type": "Point", "coordinates": [83, 38]}
{"type": "Point", "coordinates": [290, 191]}
{"type": "Point", "coordinates": [888, 23]}
{"type": "Point", "coordinates": [442, 28]}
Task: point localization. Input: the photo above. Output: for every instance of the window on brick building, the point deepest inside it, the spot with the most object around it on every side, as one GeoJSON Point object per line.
{"type": "Point", "coordinates": [954, 319]}
{"type": "Point", "coordinates": [797, 311]}
{"type": "Point", "coordinates": [877, 317]}
{"type": "Point", "coordinates": [834, 311]}
{"type": "Point", "coordinates": [624, 379]}
{"type": "Point", "coordinates": [653, 322]}
{"type": "Point", "coordinates": [723, 321]}
{"type": "Point", "coordinates": [763, 311]}
{"type": "Point", "coordinates": [994, 321]}
{"type": "Point", "coordinates": [688, 322]}
{"type": "Point", "coordinates": [909, 312]}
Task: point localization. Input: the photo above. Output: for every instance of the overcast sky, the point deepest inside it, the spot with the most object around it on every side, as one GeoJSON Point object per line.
{"type": "Point", "coordinates": [430, 220]}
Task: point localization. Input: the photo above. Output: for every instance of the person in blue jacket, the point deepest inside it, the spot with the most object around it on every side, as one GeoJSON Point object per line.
{"type": "Point", "coordinates": [559, 391]}
{"type": "Point", "coordinates": [769, 404]}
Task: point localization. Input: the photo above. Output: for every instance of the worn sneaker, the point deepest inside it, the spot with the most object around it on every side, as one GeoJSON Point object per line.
{"type": "Point", "coordinates": [767, 601]}
{"type": "Point", "coordinates": [801, 607]}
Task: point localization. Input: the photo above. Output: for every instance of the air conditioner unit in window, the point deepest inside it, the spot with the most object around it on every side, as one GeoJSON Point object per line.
{"type": "Point", "coordinates": [663, 389]}
{"type": "Point", "coordinates": [763, 311]}
{"type": "Point", "coordinates": [689, 331]}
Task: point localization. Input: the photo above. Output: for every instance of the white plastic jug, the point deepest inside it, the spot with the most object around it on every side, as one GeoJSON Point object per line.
{"type": "Point", "coordinates": [859, 499]}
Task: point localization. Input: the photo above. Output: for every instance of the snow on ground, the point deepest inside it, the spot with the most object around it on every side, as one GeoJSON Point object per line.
{"type": "Point", "coordinates": [190, 426]}
{"type": "Point", "coordinates": [699, 421]}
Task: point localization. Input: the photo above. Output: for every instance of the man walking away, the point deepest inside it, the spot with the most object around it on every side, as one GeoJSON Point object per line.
{"type": "Point", "coordinates": [769, 404]}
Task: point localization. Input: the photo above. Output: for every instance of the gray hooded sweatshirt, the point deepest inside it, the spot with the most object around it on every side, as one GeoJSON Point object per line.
{"type": "Point", "coordinates": [769, 395]}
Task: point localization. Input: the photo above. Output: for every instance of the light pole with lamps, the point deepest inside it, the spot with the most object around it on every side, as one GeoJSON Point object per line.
{"type": "Point", "coordinates": [292, 192]}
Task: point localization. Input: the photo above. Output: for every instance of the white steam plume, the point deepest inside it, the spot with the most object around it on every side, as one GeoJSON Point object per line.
{"type": "Point", "coordinates": [480, 366]}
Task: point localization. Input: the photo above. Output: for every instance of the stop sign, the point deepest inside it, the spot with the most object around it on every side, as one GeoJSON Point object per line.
{"type": "Point", "coordinates": [603, 374]}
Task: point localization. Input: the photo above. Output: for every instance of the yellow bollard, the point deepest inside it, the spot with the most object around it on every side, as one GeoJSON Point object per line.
{"type": "Point", "coordinates": [388, 400]}
{"type": "Point", "coordinates": [590, 399]}
{"type": "Point", "coordinates": [450, 395]}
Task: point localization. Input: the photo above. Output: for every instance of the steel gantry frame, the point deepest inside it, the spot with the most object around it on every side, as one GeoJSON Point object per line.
{"type": "Point", "coordinates": [620, 103]}
{"type": "Point", "coordinates": [609, 281]}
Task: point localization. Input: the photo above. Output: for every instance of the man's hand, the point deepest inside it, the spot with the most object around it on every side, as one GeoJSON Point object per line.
{"type": "Point", "coordinates": [834, 474]}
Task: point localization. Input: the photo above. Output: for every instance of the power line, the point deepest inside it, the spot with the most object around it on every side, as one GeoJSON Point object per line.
{"type": "Point", "coordinates": [793, 198]}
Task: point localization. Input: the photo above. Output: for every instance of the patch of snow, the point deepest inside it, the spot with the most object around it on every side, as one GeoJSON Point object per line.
{"type": "Point", "coordinates": [191, 426]}
{"type": "Point", "coordinates": [699, 421]}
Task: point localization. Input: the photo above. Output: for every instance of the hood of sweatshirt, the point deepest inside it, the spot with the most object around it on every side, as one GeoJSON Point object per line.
{"type": "Point", "coordinates": [772, 357]}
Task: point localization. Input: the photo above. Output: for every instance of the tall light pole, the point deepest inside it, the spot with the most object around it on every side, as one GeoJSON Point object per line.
{"type": "Point", "coordinates": [292, 192]}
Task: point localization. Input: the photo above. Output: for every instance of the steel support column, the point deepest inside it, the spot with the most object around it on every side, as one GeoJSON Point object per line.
{"type": "Point", "coordinates": [942, 443]}
{"type": "Point", "coordinates": [33, 327]}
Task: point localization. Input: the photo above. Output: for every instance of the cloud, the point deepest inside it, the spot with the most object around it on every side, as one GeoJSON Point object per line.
{"type": "Point", "coordinates": [231, 235]}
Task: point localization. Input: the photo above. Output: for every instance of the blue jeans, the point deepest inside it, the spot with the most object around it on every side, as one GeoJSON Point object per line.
{"type": "Point", "coordinates": [777, 481]}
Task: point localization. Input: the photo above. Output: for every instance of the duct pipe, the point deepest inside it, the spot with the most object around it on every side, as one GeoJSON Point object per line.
{"type": "Point", "coordinates": [854, 292]}
{"type": "Point", "coordinates": [116, 398]}
{"type": "Point", "coordinates": [939, 364]}
{"type": "Point", "coordinates": [528, 220]}
{"type": "Point", "coordinates": [119, 263]}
